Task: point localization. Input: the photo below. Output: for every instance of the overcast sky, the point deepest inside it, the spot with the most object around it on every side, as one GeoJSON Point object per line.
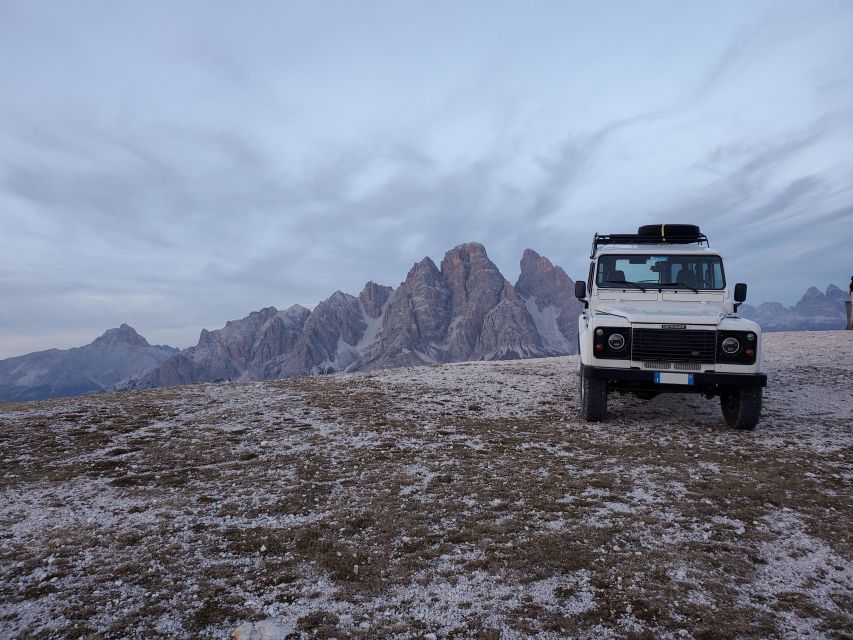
{"type": "Point", "coordinates": [174, 165]}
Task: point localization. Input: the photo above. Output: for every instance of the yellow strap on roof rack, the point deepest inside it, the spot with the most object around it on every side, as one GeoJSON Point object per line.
{"type": "Point", "coordinates": [662, 234]}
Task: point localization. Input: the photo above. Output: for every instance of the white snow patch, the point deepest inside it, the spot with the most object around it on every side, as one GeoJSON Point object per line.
{"type": "Point", "coordinates": [545, 320]}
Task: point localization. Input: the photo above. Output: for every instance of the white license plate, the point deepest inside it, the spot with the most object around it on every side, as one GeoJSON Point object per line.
{"type": "Point", "coordinates": [662, 377]}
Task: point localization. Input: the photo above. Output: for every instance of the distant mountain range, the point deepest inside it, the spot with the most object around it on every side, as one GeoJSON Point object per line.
{"type": "Point", "coordinates": [117, 355]}
{"type": "Point", "coordinates": [816, 311]}
{"type": "Point", "coordinates": [463, 310]}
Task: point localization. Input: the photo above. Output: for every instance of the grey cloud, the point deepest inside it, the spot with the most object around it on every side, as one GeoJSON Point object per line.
{"type": "Point", "coordinates": [743, 171]}
{"type": "Point", "coordinates": [778, 207]}
{"type": "Point", "coordinates": [563, 169]}
{"type": "Point", "coordinates": [732, 57]}
{"type": "Point", "coordinates": [234, 194]}
{"type": "Point", "coordinates": [761, 228]}
{"type": "Point", "coordinates": [326, 238]}
{"type": "Point", "coordinates": [141, 183]}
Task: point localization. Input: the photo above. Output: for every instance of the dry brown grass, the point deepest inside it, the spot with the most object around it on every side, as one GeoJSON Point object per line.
{"type": "Point", "coordinates": [470, 498]}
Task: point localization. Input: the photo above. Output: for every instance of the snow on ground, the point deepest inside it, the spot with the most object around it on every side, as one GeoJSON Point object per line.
{"type": "Point", "coordinates": [464, 500]}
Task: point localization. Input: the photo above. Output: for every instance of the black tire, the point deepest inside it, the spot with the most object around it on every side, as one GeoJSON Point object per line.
{"type": "Point", "coordinates": [741, 407]}
{"type": "Point", "coordinates": [670, 230]}
{"type": "Point", "coordinates": [593, 398]}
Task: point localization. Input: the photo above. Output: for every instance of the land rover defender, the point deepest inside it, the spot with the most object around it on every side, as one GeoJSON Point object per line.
{"type": "Point", "coordinates": [658, 319]}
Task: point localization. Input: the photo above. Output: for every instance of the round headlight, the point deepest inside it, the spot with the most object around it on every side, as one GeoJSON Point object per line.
{"type": "Point", "coordinates": [731, 345]}
{"type": "Point", "coordinates": [616, 341]}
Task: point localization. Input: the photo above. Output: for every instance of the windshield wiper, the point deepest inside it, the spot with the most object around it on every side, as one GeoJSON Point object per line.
{"type": "Point", "coordinates": [681, 284]}
{"type": "Point", "coordinates": [632, 284]}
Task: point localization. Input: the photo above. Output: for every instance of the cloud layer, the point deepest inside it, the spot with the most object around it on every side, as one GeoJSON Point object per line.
{"type": "Point", "coordinates": [174, 167]}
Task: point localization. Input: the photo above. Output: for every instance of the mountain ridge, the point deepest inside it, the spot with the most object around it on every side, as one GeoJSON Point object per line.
{"type": "Point", "coordinates": [814, 311]}
{"type": "Point", "coordinates": [464, 309]}
{"type": "Point", "coordinates": [116, 355]}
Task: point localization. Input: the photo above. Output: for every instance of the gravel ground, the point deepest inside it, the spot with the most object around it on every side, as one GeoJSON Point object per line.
{"type": "Point", "coordinates": [463, 500]}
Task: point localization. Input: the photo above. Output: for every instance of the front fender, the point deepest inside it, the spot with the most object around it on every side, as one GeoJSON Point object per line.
{"type": "Point", "coordinates": [584, 341]}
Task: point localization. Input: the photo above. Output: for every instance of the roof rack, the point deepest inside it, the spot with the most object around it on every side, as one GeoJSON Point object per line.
{"type": "Point", "coordinates": [634, 238]}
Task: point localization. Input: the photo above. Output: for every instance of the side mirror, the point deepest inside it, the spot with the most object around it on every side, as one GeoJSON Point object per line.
{"type": "Point", "coordinates": [740, 294]}
{"type": "Point", "coordinates": [580, 292]}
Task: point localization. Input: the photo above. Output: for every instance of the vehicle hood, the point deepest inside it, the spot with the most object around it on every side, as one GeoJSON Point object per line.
{"type": "Point", "coordinates": [661, 311]}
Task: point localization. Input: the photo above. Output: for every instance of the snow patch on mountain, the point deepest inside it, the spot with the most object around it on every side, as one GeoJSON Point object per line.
{"type": "Point", "coordinates": [545, 319]}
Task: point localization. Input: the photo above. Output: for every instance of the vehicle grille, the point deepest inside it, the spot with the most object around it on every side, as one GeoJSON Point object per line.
{"type": "Point", "coordinates": [673, 345]}
{"type": "Point", "coordinates": [686, 366]}
{"type": "Point", "coordinates": [678, 366]}
{"type": "Point", "coordinates": [661, 366]}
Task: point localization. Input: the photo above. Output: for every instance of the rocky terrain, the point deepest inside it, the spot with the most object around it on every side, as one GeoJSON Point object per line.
{"type": "Point", "coordinates": [815, 311]}
{"type": "Point", "coordinates": [118, 354]}
{"type": "Point", "coordinates": [241, 347]}
{"type": "Point", "coordinates": [459, 500]}
{"type": "Point", "coordinates": [464, 310]}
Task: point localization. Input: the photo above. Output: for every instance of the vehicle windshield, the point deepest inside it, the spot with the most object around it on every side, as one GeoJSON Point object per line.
{"type": "Point", "coordinates": [692, 272]}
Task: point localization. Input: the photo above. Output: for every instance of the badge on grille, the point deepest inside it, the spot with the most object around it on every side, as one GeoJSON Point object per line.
{"type": "Point", "coordinates": [673, 326]}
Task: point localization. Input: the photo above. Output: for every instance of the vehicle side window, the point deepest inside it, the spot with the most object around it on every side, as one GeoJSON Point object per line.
{"type": "Point", "coordinates": [711, 274]}
{"type": "Point", "coordinates": [589, 279]}
{"type": "Point", "coordinates": [718, 280]}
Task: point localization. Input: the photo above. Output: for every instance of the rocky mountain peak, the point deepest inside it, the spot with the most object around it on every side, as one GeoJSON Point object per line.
{"type": "Point", "coordinates": [466, 259]}
{"type": "Point", "coordinates": [815, 303]}
{"type": "Point", "coordinates": [416, 318]}
{"type": "Point", "coordinates": [545, 287]}
{"type": "Point", "coordinates": [118, 354]}
{"type": "Point", "coordinates": [261, 315]}
{"type": "Point", "coordinates": [531, 260]}
{"type": "Point", "coordinates": [539, 278]}
{"type": "Point", "coordinates": [468, 252]}
{"type": "Point", "coordinates": [477, 290]}
{"type": "Point", "coordinates": [815, 311]}
{"type": "Point", "coordinates": [124, 334]}
{"type": "Point", "coordinates": [835, 293]}
{"type": "Point", "coordinates": [424, 268]}
{"type": "Point", "coordinates": [813, 297]}
{"type": "Point", "coordinates": [532, 263]}
{"type": "Point", "coordinates": [470, 275]}
{"type": "Point", "coordinates": [373, 297]}
{"type": "Point", "coordinates": [295, 311]}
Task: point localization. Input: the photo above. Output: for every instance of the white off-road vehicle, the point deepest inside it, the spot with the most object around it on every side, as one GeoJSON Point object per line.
{"type": "Point", "coordinates": [658, 319]}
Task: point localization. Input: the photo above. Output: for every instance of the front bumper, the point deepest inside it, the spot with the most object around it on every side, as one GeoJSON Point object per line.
{"type": "Point", "coordinates": [644, 379]}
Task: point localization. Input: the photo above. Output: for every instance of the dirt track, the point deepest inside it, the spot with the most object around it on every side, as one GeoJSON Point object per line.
{"type": "Point", "coordinates": [461, 500]}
